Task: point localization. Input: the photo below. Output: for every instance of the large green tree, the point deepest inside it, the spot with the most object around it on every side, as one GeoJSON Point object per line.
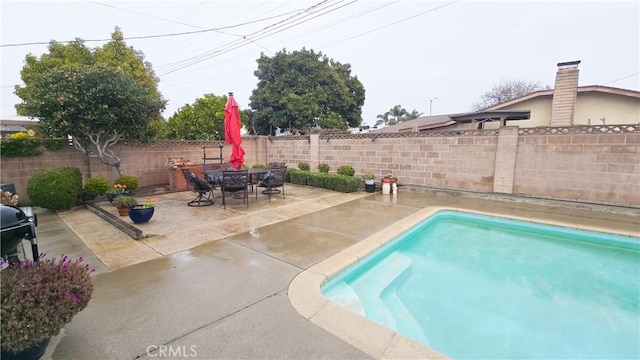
{"type": "Point", "coordinates": [204, 120]}
{"type": "Point", "coordinates": [115, 54]}
{"type": "Point", "coordinates": [395, 115]}
{"type": "Point", "coordinates": [96, 105]}
{"type": "Point", "coordinates": [302, 90]}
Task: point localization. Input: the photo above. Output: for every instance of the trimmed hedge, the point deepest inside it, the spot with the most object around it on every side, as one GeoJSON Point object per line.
{"type": "Point", "coordinates": [334, 182]}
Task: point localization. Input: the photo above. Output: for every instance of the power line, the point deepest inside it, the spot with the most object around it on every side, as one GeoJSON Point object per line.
{"type": "Point", "coordinates": [145, 15]}
{"type": "Point", "coordinates": [259, 34]}
{"type": "Point", "coordinates": [622, 78]}
{"type": "Point", "coordinates": [157, 36]}
{"type": "Point", "coordinates": [395, 23]}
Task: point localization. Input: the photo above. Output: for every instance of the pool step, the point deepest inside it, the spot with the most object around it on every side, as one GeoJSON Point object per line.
{"type": "Point", "coordinates": [408, 325]}
{"type": "Point", "coordinates": [379, 279]}
{"type": "Point", "coordinates": [344, 295]}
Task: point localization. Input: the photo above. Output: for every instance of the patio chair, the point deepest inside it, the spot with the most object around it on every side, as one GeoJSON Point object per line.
{"type": "Point", "coordinates": [200, 187]}
{"type": "Point", "coordinates": [234, 181]}
{"type": "Point", "coordinates": [263, 176]}
{"type": "Point", "coordinates": [273, 181]}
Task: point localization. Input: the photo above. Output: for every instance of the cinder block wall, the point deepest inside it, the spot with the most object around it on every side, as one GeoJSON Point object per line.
{"type": "Point", "coordinates": [600, 168]}
{"type": "Point", "coordinates": [596, 164]}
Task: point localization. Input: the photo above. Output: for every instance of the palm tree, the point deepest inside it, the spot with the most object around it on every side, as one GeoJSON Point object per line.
{"type": "Point", "coordinates": [382, 119]}
{"type": "Point", "coordinates": [413, 115]}
{"type": "Point", "coordinates": [397, 114]}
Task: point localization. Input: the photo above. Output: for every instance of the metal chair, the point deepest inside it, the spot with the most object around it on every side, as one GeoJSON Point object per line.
{"type": "Point", "coordinates": [200, 187]}
{"type": "Point", "coordinates": [273, 181]}
{"type": "Point", "coordinates": [234, 181]}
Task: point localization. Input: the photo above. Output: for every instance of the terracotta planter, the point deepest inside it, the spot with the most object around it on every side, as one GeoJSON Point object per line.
{"type": "Point", "coordinates": [123, 211]}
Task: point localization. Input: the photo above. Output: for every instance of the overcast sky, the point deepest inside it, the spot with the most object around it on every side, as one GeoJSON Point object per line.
{"type": "Point", "coordinates": [433, 56]}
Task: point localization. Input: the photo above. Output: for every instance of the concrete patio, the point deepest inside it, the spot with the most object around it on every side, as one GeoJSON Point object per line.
{"type": "Point", "coordinates": [209, 283]}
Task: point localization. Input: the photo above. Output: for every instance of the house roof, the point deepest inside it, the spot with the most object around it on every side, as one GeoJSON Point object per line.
{"type": "Point", "coordinates": [492, 115]}
{"type": "Point", "coordinates": [12, 128]}
{"type": "Point", "coordinates": [18, 120]}
{"type": "Point", "coordinates": [418, 124]}
{"type": "Point", "coordinates": [581, 89]}
{"type": "Point", "coordinates": [432, 122]}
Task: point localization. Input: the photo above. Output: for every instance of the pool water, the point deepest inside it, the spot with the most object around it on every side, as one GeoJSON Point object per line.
{"type": "Point", "coordinates": [474, 286]}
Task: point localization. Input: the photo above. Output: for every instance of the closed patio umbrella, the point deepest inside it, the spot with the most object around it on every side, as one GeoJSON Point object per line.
{"type": "Point", "coordinates": [232, 135]}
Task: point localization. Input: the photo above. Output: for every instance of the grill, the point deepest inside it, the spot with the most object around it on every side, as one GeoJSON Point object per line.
{"type": "Point", "coordinates": [17, 224]}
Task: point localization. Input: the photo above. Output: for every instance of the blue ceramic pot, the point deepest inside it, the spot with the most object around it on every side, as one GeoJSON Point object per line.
{"type": "Point", "coordinates": [112, 197]}
{"type": "Point", "coordinates": [33, 353]}
{"type": "Point", "coordinates": [139, 216]}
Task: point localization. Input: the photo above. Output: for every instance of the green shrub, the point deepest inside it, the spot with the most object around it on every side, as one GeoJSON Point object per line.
{"type": "Point", "coordinates": [54, 144]}
{"type": "Point", "coordinates": [93, 187]}
{"type": "Point", "coordinates": [259, 166]}
{"type": "Point", "coordinates": [318, 179]}
{"type": "Point", "coordinates": [323, 168]}
{"type": "Point", "coordinates": [18, 147]}
{"type": "Point", "coordinates": [346, 170]}
{"type": "Point", "coordinates": [296, 176]}
{"type": "Point", "coordinates": [28, 147]}
{"type": "Point", "coordinates": [334, 182]}
{"type": "Point", "coordinates": [304, 166]}
{"type": "Point", "coordinates": [131, 181]}
{"type": "Point", "coordinates": [56, 189]}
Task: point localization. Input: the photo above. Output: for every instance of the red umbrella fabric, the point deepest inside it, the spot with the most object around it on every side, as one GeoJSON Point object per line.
{"type": "Point", "coordinates": [232, 135]}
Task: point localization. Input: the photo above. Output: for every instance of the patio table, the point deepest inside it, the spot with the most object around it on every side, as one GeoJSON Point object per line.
{"type": "Point", "coordinates": [215, 176]}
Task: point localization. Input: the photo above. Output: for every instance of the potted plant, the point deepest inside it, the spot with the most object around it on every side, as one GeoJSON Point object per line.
{"type": "Point", "coordinates": [38, 299]}
{"type": "Point", "coordinates": [116, 191]}
{"type": "Point", "coordinates": [142, 213]}
{"type": "Point", "coordinates": [369, 179]}
{"type": "Point", "coordinates": [123, 203]}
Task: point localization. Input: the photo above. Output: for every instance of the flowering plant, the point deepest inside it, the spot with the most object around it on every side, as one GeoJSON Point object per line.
{"type": "Point", "coordinates": [118, 189]}
{"type": "Point", "coordinates": [148, 203]}
{"type": "Point", "coordinates": [39, 298]}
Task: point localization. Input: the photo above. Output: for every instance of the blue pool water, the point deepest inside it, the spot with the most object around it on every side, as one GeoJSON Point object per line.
{"type": "Point", "coordinates": [473, 286]}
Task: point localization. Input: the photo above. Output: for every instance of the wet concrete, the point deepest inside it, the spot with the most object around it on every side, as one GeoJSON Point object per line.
{"type": "Point", "coordinates": [212, 283]}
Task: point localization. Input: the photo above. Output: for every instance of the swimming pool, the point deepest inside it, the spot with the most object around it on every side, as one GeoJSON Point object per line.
{"type": "Point", "coordinates": [473, 286]}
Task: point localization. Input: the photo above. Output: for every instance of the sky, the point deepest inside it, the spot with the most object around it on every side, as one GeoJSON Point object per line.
{"type": "Point", "coordinates": [436, 57]}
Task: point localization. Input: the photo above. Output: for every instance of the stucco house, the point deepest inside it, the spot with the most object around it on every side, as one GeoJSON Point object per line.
{"type": "Point", "coordinates": [566, 105]}
{"type": "Point", "coordinates": [14, 124]}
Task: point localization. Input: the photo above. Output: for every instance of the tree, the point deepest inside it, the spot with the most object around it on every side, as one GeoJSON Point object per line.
{"type": "Point", "coordinates": [396, 115]}
{"type": "Point", "coordinates": [204, 120]}
{"type": "Point", "coordinates": [114, 54]}
{"type": "Point", "coordinates": [505, 91]}
{"type": "Point", "coordinates": [96, 105]}
{"type": "Point", "coordinates": [302, 90]}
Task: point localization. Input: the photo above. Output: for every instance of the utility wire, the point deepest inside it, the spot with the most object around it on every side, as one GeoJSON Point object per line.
{"type": "Point", "coordinates": [395, 23]}
{"type": "Point", "coordinates": [170, 68]}
{"type": "Point", "coordinates": [156, 36]}
{"type": "Point", "coordinates": [145, 15]}
{"type": "Point", "coordinates": [622, 78]}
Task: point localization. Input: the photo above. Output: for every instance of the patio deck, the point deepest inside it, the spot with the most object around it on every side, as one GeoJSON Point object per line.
{"type": "Point", "coordinates": [210, 283]}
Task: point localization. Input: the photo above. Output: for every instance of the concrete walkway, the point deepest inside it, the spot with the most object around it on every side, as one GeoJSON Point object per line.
{"type": "Point", "coordinates": [210, 283]}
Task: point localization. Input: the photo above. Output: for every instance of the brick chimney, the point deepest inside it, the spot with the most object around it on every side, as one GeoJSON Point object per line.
{"type": "Point", "coordinates": [565, 93]}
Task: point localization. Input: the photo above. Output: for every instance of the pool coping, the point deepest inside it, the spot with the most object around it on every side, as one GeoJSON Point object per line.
{"type": "Point", "coordinates": [371, 338]}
